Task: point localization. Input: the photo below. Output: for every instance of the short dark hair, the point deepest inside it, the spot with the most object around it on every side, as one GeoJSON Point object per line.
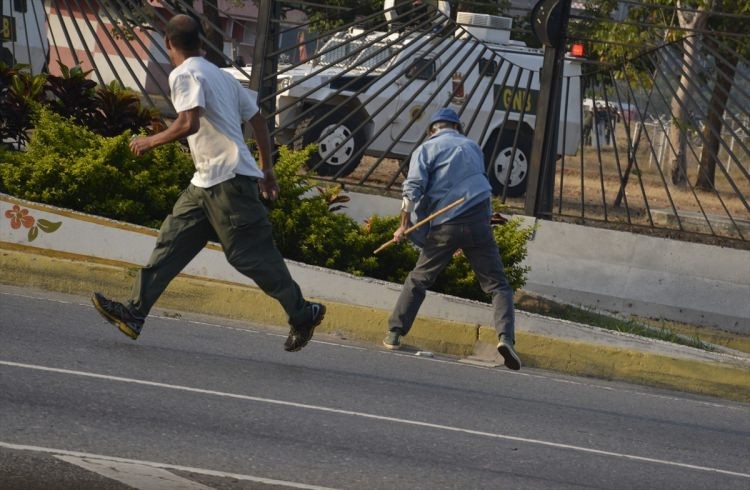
{"type": "Point", "coordinates": [438, 125]}
{"type": "Point", "coordinates": [184, 33]}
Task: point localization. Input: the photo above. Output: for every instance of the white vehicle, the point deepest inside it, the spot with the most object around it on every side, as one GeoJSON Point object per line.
{"type": "Point", "coordinates": [23, 34]}
{"type": "Point", "coordinates": [383, 96]}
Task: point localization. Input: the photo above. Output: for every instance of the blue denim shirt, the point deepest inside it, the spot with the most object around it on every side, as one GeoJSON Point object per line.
{"type": "Point", "coordinates": [445, 168]}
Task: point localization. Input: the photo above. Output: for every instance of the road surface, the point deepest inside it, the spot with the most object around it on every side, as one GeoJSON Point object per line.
{"type": "Point", "coordinates": [205, 402]}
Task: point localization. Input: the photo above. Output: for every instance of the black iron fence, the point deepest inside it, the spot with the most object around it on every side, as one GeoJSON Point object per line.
{"type": "Point", "coordinates": [654, 114]}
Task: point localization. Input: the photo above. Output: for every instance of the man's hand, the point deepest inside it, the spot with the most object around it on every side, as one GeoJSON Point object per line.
{"type": "Point", "coordinates": [269, 188]}
{"type": "Point", "coordinates": [399, 234]}
{"type": "Point", "coordinates": [187, 123]}
{"type": "Point", "coordinates": [140, 145]}
{"type": "Point", "coordinates": [404, 224]}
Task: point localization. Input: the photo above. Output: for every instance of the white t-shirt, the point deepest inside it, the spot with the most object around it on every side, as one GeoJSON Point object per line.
{"type": "Point", "coordinates": [218, 147]}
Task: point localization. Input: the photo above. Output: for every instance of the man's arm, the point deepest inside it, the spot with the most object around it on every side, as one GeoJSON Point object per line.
{"type": "Point", "coordinates": [405, 223]}
{"type": "Point", "coordinates": [268, 186]}
{"type": "Point", "coordinates": [187, 123]}
{"type": "Point", "coordinates": [412, 190]}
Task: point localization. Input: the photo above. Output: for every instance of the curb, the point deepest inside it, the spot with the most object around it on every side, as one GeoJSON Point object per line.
{"type": "Point", "coordinates": [68, 273]}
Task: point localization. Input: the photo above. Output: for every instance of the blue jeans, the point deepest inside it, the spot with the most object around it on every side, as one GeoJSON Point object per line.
{"type": "Point", "coordinates": [478, 244]}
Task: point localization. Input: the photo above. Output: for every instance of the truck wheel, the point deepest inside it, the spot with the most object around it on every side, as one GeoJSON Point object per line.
{"type": "Point", "coordinates": [338, 151]}
{"type": "Point", "coordinates": [498, 168]}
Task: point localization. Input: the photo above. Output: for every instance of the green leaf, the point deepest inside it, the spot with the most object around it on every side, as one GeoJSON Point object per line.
{"type": "Point", "coordinates": [48, 226]}
{"type": "Point", "coordinates": [33, 233]}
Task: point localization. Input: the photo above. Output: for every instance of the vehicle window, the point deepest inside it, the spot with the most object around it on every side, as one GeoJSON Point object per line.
{"type": "Point", "coordinates": [20, 6]}
{"type": "Point", "coordinates": [421, 69]}
{"type": "Point", "coordinates": [487, 67]}
{"type": "Point", "coordinates": [340, 54]}
{"type": "Point", "coordinates": [373, 56]}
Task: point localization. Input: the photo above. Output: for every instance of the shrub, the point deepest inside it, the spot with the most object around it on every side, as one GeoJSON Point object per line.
{"type": "Point", "coordinates": [119, 109]}
{"type": "Point", "coordinates": [20, 95]}
{"type": "Point", "coordinates": [72, 94]}
{"type": "Point", "coordinates": [69, 166]}
{"type": "Point", "coordinates": [107, 110]}
{"type": "Point", "coordinates": [304, 227]}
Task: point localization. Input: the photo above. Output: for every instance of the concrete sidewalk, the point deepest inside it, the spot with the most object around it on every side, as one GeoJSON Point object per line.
{"type": "Point", "coordinates": [543, 342]}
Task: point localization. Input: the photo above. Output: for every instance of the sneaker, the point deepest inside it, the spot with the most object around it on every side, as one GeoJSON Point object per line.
{"type": "Point", "coordinates": [512, 361]}
{"type": "Point", "coordinates": [118, 315]}
{"type": "Point", "coordinates": [300, 335]}
{"type": "Point", "coordinates": [393, 340]}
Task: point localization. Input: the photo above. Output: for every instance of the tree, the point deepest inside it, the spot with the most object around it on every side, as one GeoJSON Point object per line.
{"type": "Point", "coordinates": [683, 28]}
{"type": "Point", "coordinates": [726, 54]}
{"type": "Point", "coordinates": [689, 20]}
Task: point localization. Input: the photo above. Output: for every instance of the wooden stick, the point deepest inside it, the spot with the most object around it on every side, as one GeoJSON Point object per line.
{"type": "Point", "coordinates": [421, 223]}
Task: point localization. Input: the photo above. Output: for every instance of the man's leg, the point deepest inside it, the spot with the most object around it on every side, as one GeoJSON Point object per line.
{"type": "Point", "coordinates": [241, 222]}
{"type": "Point", "coordinates": [183, 234]}
{"type": "Point", "coordinates": [436, 255]}
{"type": "Point", "coordinates": [484, 257]}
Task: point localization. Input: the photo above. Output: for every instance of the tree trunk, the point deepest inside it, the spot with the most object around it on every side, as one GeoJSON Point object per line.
{"type": "Point", "coordinates": [725, 68]}
{"type": "Point", "coordinates": [212, 27]}
{"type": "Point", "coordinates": [681, 102]}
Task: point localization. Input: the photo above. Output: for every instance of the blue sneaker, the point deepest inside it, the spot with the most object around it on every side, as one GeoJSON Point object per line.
{"type": "Point", "coordinates": [118, 315]}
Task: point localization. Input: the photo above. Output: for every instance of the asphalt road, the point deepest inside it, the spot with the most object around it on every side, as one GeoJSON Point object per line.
{"type": "Point", "coordinates": [203, 402]}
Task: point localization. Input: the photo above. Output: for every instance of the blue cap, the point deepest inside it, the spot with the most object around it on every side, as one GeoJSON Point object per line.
{"type": "Point", "coordinates": [445, 114]}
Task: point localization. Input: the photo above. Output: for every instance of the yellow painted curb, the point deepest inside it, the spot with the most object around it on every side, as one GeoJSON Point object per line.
{"type": "Point", "coordinates": [599, 361]}
{"type": "Point", "coordinates": [72, 274]}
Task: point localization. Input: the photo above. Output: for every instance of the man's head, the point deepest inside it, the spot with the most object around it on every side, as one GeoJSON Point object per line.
{"type": "Point", "coordinates": [183, 35]}
{"type": "Point", "coordinates": [444, 118]}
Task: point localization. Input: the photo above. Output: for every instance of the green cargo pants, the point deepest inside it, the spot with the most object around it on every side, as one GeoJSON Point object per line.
{"type": "Point", "coordinates": [232, 213]}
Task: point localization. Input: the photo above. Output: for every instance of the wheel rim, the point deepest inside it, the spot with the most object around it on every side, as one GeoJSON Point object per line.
{"type": "Point", "coordinates": [336, 146]}
{"type": "Point", "coordinates": [520, 167]}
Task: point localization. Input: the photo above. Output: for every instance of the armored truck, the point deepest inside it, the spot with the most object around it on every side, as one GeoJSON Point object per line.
{"type": "Point", "coordinates": [371, 93]}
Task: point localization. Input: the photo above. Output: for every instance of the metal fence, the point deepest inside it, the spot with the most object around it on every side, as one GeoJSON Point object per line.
{"type": "Point", "coordinates": [652, 130]}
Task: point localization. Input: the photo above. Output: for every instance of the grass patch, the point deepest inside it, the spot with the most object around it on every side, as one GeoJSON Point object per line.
{"type": "Point", "coordinates": [716, 336]}
{"type": "Point", "coordinates": [663, 331]}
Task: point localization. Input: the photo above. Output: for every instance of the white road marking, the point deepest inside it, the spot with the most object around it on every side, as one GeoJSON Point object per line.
{"type": "Point", "coordinates": [153, 464]}
{"type": "Point", "coordinates": [136, 475]}
{"type": "Point", "coordinates": [384, 418]}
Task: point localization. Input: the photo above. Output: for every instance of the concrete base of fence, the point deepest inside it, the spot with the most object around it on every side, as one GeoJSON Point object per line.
{"type": "Point", "coordinates": [697, 222]}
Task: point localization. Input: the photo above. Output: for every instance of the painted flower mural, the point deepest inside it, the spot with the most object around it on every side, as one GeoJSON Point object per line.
{"type": "Point", "coordinates": [20, 218]}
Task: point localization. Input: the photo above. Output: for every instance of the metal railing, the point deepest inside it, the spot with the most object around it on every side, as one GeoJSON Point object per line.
{"type": "Point", "coordinates": [653, 132]}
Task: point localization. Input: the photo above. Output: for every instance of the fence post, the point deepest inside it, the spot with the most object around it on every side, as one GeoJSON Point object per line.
{"type": "Point", "coordinates": [265, 58]}
{"type": "Point", "coordinates": [550, 21]}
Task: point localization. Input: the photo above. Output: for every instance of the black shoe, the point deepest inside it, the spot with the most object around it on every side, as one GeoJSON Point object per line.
{"type": "Point", "coordinates": [300, 334]}
{"type": "Point", "coordinates": [512, 361]}
{"type": "Point", "coordinates": [118, 315]}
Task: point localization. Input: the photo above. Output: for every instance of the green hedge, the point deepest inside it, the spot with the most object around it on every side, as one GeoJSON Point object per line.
{"type": "Point", "coordinates": [69, 166]}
